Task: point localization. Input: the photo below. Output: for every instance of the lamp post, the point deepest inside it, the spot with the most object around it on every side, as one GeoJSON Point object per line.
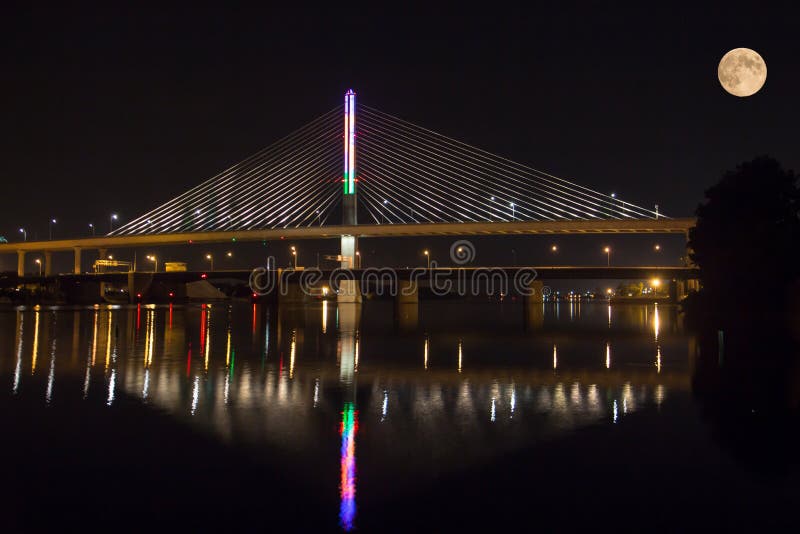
{"type": "Point", "coordinates": [50, 226]}
{"type": "Point", "coordinates": [24, 234]}
{"type": "Point", "coordinates": [358, 259]}
{"type": "Point", "coordinates": [513, 216]}
{"type": "Point", "coordinates": [294, 256]}
{"type": "Point", "coordinates": [607, 250]}
{"type": "Point", "coordinates": [210, 258]}
{"type": "Point", "coordinates": [428, 256]}
{"type": "Point", "coordinates": [39, 263]}
{"type": "Point", "coordinates": [155, 262]}
{"type": "Point", "coordinates": [111, 220]}
{"type": "Point", "coordinates": [91, 227]}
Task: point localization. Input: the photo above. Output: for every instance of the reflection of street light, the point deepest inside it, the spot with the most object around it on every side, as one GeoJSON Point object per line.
{"type": "Point", "coordinates": [428, 256]}
{"type": "Point", "coordinates": [155, 261]}
{"type": "Point", "coordinates": [39, 263]}
{"type": "Point", "coordinates": [210, 258]}
{"type": "Point", "coordinates": [607, 250]}
{"type": "Point", "coordinates": [24, 234]}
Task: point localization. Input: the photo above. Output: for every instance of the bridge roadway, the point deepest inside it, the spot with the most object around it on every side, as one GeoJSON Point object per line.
{"type": "Point", "coordinates": [599, 226]}
{"type": "Point", "coordinates": [550, 272]}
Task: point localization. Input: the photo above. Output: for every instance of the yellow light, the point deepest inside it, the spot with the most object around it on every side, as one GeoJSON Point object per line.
{"type": "Point", "coordinates": [657, 247]}
{"type": "Point", "coordinates": [38, 261]}
{"type": "Point", "coordinates": [554, 248]}
{"type": "Point", "coordinates": [655, 282]}
{"type": "Point", "coordinates": [230, 254]}
{"type": "Point", "coordinates": [426, 252]}
{"type": "Point", "coordinates": [608, 291]}
{"type": "Point", "coordinates": [607, 249]}
{"type": "Point", "coordinates": [208, 256]}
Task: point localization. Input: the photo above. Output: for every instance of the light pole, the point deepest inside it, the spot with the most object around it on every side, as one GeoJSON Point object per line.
{"type": "Point", "coordinates": [358, 259]}
{"type": "Point", "coordinates": [607, 250]}
{"type": "Point", "coordinates": [155, 262]}
{"type": "Point", "coordinates": [24, 234]}
{"type": "Point", "coordinates": [294, 257]}
{"type": "Point", "coordinates": [513, 216]}
{"type": "Point", "coordinates": [385, 216]}
{"type": "Point", "coordinates": [111, 220]}
{"type": "Point", "coordinates": [91, 227]}
{"type": "Point", "coordinates": [428, 256]}
{"type": "Point", "coordinates": [210, 258]}
{"type": "Point", "coordinates": [39, 263]}
{"type": "Point", "coordinates": [50, 225]}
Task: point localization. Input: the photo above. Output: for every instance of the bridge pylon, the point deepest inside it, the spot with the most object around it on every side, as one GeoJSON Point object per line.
{"type": "Point", "coordinates": [348, 289]}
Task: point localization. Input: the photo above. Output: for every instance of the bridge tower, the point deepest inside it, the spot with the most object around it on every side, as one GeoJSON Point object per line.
{"type": "Point", "coordinates": [348, 290]}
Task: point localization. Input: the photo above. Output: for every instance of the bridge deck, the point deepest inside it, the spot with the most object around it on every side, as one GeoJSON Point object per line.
{"type": "Point", "coordinates": [611, 226]}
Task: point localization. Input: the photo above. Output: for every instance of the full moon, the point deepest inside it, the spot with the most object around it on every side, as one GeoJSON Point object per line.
{"type": "Point", "coordinates": [742, 72]}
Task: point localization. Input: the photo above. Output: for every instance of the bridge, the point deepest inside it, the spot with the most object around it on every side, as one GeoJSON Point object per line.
{"type": "Point", "coordinates": [400, 179]}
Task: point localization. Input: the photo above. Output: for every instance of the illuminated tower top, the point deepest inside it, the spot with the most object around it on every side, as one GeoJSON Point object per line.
{"type": "Point", "coordinates": [349, 142]}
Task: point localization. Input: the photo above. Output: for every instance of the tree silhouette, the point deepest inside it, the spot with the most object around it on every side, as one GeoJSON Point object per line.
{"type": "Point", "coordinates": [747, 236]}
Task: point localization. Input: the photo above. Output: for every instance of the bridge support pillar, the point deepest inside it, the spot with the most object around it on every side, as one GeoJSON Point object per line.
{"type": "Point", "coordinates": [138, 283]}
{"type": "Point", "coordinates": [406, 305]}
{"type": "Point", "coordinates": [533, 307]}
{"type": "Point", "coordinates": [77, 263]}
{"type": "Point", "coordinates": [20, 263]}
{"type": "Point", "coordinates": [48, 263]}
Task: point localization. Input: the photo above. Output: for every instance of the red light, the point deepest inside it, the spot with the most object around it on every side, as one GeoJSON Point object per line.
{"type": "Point", "coordinates": [190, 241]}
{"type": "Point", "coordinates": [171, 294]}
{"type": "Point", "coordinates": [204, 276]}
{"type": "Point", "coordinates": [255, 295]}
{"type": "Point", "coordinates": [138, 295]}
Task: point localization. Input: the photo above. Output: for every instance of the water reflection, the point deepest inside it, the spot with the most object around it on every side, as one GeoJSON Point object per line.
{"type": "Point", "coordinates": [284, 377]}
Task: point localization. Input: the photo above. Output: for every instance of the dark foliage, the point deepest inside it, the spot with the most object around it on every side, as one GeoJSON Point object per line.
{"type": "Point", "coordinates": [747, 238]}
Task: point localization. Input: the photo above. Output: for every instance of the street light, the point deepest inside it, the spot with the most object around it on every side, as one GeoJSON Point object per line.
{"type": "Point", "coordinates": [210, 258]}
{"type": "Point", "coordinates": [294, 256]}
{"type": "Point", "coordinates": [24, 234]}
{"type": "Point", "coordinates": [229, 254]}
{"type": "Point", "coordinates": [155, 261]}
{"type": "Point", "coordinates": [554, 249]}
{"type": "Point", "coordinates": [39, 263]}
{"type": "Point", "coordinates": [428, 256]}
{"type": "Point", "coordinates": [358, 259]}
{"type": "Point", "coordinates": [512, 211]}
{"type": "Point", "coordinates": [607, 250]}
{"type": "Point", "coordinates": [50, 226]}
{"type": "Point", "coordinates": [91, 227]}
{"type": "Point", "coordinates": [657, 248]}
{"type": "Point", "coordinates": [111, 222]}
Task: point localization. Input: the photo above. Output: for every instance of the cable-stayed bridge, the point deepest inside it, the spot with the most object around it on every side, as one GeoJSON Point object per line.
{"type": "Point", "coordinates": [360, 172]}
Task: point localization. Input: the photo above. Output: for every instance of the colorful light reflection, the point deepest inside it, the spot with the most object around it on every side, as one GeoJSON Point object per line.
{"type": "Point", "coordinates": [347, 508]}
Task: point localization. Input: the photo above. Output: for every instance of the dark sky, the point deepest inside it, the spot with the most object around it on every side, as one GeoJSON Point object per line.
{"type": "Point", "coordinates": [120, 109]}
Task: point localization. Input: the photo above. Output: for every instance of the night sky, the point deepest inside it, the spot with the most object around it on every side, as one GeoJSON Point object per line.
{"type": "Point", "coordinates": [118, 110]}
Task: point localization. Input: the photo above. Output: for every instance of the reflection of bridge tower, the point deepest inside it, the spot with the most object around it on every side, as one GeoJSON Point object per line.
{"type": "Point", "coordinates": [348, 290]}
{"type": "Point", "coordinates": [349, 316]}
